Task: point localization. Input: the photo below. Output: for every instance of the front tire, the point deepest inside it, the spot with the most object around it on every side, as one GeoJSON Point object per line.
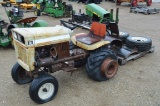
{"type": "Point", "coordinates": [102, 65]}
{"type": "Point", "coordinates": [43, 88]}
{"type": "Point", "coordinates": [19, 76]}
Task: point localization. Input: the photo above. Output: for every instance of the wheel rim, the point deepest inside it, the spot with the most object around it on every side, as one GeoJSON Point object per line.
{"type": "Point", "coordinates": [46, 91]}
{"type": "Point", "coordinates": [139, 39]}
{"type": "Point", "coordinates": [109, 68]}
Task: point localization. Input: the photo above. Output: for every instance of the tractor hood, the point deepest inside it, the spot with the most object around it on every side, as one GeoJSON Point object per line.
{"type": "Point", "coordinates": [97, 10]}
{"type": "Point", "coordinates": [40, 36]}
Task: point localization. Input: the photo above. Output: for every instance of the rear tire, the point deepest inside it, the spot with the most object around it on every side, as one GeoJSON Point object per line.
{"type": "Point", "coordinates": [43, 88]}
{"type": "Point", "coordinates": [102, 64]}
{"type": "Point", "coordinates": [140, 43]}
{"type": "Point", "coordinates": [19, 76]}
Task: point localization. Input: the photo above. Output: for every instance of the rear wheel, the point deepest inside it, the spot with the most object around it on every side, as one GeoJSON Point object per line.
{"type": "Point", "coordinates": [19, 75]}
{"type": "Point", "coordinates": [43, 88]}
{"type": "Point", "coordinates": [102, 65]}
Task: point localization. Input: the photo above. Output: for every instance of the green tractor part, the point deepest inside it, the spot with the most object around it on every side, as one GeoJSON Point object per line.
{"type": "Point", "coordinates": [54, 8]}
{"type": "Point", "coordinates": [100, 14]}
{"type": "Point", "coordinates": [4, 39]}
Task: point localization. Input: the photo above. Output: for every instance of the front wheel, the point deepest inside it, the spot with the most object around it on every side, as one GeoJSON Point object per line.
{"type": "Point", "coordinates": [43, 88]}
{"type": "Point", "coordinates": [19, 75]}
{"type": "Point", "coordinates": [102, 65]}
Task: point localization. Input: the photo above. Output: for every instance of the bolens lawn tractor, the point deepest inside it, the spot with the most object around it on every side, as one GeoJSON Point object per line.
{"type": "Point", "coordinates": [40, 53]}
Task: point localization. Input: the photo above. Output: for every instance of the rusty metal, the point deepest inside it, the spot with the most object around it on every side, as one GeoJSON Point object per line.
{"type": "Point", "coordinates": [60, 50]}
{"type": "Point", "coordinates": [109, 68]}
{"type": "Point", "coordinates": [27, 20]}
{"type": "Point", "coordinates": [48, 61]}
{"type": "Point", "coordinates": [88, 38]}
{"type": "Point", "coordinates": [133, 56]}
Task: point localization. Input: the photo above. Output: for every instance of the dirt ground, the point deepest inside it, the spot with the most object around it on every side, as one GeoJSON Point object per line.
{"type": "Point", "coordinates": [136, 83]}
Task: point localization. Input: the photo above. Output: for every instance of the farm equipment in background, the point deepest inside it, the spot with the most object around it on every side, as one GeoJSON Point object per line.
{"type": "Point", "coordinates": [144, 10]}
{"type": "Point", "coordinates": [4, 39]}
{"type": "Point", "coordinates": [54, 8]}
{"type": "Point", "coordinates": [93, 13]}
{"type": "Point", "coordinates": [134, 3]}
{"type": "Point", "coordinates": [90, 1]}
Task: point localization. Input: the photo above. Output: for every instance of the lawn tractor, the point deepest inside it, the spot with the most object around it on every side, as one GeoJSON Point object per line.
{"type": "Point", "coordinates": [40, 53]}
{"type": "Point", "coordinates": [23, 4]}
{"type": "Point", "coordinates": [54, 8]}
{"type": "Point", "coordinates": [7, 3]}
{"type": "Point", "coordinates": [134, 3]}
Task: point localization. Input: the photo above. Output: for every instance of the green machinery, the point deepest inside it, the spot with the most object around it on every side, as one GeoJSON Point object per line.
{"type": "Point", "coordinates": [93, 13]}
{"type": "Point", "coordinates": [4, 39]}
{"type": "Point", "coordinates": [54, 8]}
{"type": "Point", "coordinates": [15, 14]}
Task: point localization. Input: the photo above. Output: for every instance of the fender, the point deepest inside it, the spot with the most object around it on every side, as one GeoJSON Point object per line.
{"type": "Point", "coordinates": [13, 26]}
{"type": "Point", "coordinates": [40, 23]}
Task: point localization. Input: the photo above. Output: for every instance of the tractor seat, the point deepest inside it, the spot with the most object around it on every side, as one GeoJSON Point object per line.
{"type": "Point", "coordinates": [94, 39]}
